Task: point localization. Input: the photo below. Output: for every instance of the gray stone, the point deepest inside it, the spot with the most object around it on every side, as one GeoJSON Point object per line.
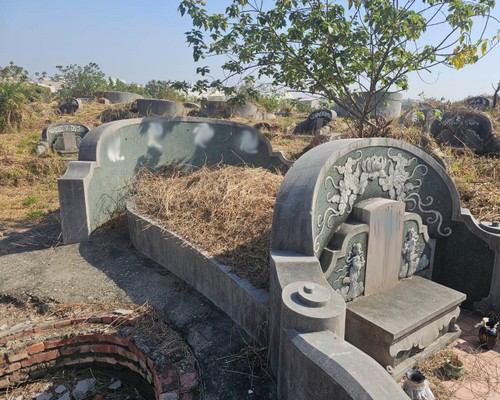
{"type": "Point", "coordinates": [83, 388]}
{"type": "Point", "coordinates": [159, 108]}
{"type": "Point", "coordinates": [43, 396]}
{"type": "Point", "coordinates": [65, 396]}
{"type": "Point", "coordinates": [60, 389]}
{"type": "Point", "coordinates": [395, 323]}
{"type": "Point", "coordinates": [63, 137]}
{"type": "Point", "coordinates": [120, 97]}
{"type": "Point", "coordinates": [320, 365]}
{"type": "Point", "coordinates": [115, 385]}
{"type": "Point", "coordinates": [479, 102]}
{"type": "Point", "coordinates": [249, 111]}
{"type": "Point", "coordinates": [237, 297]}
{"type": "Point", "coordinates": [466, 128]}
{"type": "Point", "coordinates": [93, 188]}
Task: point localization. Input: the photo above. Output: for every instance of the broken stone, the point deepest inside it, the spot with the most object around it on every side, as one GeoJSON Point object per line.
{"type": "Point", "coordinates": [115, 385]}
{"type": "Point", "coordinates": [65, 396]}
{"type": "Point", "coordinates": [83, 388]}
{"type": "Point", "coordinates": [479, 102]}
{"type": "Point", "coordinates": [43, 396]}
{"type": "Point", "coordinates": [60, 389]}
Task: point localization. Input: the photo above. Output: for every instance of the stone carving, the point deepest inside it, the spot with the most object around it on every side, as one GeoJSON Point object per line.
{"type": "Point", "coordinates": [390, 173]}
{"type": "Point", "coordinates": [354, 262]}
{"type": "Point", "coordinates": [411, 250]}
{"type": "Point", "coordinates": [63, 137]}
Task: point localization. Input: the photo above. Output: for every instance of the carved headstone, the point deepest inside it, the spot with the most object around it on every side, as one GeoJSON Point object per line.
{"type": "Point", "coordinates": [64, 137]}
{"type": "Point", "coordinates": [315, 121]}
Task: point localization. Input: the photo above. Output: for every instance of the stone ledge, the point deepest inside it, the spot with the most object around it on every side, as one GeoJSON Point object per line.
{"type": "Point", "coordinates": [247, 305]}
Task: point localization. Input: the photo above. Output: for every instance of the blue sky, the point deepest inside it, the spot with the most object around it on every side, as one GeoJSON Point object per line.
{"type": "Point", "coordinates": [142, 40]}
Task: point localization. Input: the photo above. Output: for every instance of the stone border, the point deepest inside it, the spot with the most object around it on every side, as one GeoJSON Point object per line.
{"type": "Point", "coordinates": [245, 304]}
{"type": "Point", "coordinates": [83, 350]}
{"type": "Point", "coordinates": [95, 187]}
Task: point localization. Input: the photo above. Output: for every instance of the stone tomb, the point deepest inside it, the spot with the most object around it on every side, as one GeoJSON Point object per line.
{"type": "Point", "coordinates": [63, 138]}
{"type": "Point", "coordinates": [466, 128]}
{"type": "Point", "coordinates": [374, 261]}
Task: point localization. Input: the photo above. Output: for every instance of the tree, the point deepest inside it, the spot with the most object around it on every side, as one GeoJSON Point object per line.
{"type": "Point", "coordinates": [80, 81]}
{"type": "Point", "coordinates": [159, 89]}
{"type": "Point", "coordinates": [338, 50]}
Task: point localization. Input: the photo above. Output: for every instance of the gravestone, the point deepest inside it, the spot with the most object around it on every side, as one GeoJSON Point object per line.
{"type": "Point", "coordinates": [377, 223]}
{"type": "Point", "coordinates": [158, 108]}
{"type": "Point", "coordinates": [315, 121]}
{"type": "Point", "coordinates": [63, 138]}
{"type": "Point", "coordinates": [479, 102]}
{"type": "Point", "coordinates": [466, 128]}
{"type": "Point", "coordinates": [69, 106]}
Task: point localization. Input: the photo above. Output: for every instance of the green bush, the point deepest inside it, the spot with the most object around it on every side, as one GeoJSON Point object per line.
{"type": "Point", "coordinates": [80, 81]}
{"type": "Point", "coordinates": [15, 94]}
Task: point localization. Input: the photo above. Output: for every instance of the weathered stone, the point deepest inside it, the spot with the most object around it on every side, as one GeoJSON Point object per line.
{"type": "Point", "coordinates": [63, 137]}
{"type": "Point", "coordinates": [249, 111]}
{"type": "Point", "coordinates": [479, 102]}
{"type": "Point", "coordinates": [91, 190]}
{"type": "Point", "coordinates": [60, 389]}
{"type": "Point", "coordinates": [115, 385]}
{"type": "Point", "coordinates": [466, 128]}
{"type": "Point", "coordinates": [159, 108]}
{"type": "Point", "coordinates": [43, 396]}
{"type": "Point", "coordinates": [69, 106]}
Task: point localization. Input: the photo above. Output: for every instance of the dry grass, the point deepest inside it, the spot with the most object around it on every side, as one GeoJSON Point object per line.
{"type": "Point", "coordinates": [226, 211]}
{"type": "Point", "coordinates": [29, 182]}
{"type": "Point", "coordinates": [481, 376]}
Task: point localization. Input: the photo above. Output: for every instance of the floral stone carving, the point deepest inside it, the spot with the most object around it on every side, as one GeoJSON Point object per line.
{"type": "Point", "coordinates": [394, 174]}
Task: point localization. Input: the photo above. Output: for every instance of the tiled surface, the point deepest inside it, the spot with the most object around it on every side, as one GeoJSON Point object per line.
{"type": "Point", "coordinates": [478, 362]}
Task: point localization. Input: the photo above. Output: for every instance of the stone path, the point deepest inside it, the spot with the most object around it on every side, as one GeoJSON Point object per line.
{"type": "Point", "coordinates": [107, 270]}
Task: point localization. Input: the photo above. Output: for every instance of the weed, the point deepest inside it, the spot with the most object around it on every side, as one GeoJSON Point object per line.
{"type": "Point", "coordinates": [30, 200]}
{"type": "Point", "coordinates": [34, 214]}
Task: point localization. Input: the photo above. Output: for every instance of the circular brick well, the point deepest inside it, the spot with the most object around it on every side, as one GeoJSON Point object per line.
{"type": "Point", "coordinates": [135, 340]}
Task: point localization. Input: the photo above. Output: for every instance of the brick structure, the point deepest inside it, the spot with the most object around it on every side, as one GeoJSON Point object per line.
{"type": "Point", "coordinates": [31, 350]}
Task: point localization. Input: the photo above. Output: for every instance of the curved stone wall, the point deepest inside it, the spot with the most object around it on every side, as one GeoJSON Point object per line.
{"type": "Point", "coordinates": [96, 186]}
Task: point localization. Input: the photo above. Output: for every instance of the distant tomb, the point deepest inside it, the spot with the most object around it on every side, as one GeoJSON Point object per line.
{"type": "Point", "coordinates": [466, 128]}
{"type": "Point", "coordinates": [69, 106]}
{"type": "Point", "coordinates": [62, 138]}
{"type": "Point", "coordinates": [479, 102]}
{"type": "Point", "coordinates": [158, 108]}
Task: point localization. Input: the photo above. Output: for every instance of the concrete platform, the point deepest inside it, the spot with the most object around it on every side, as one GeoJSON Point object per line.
{"type": "Point", "coordinates": [395, 325]}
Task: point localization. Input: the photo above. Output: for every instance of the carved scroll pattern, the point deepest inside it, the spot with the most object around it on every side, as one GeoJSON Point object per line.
{"type": "Point", "coordinates": [394, 174]}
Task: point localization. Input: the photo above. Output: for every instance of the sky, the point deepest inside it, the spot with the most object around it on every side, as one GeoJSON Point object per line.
{"type": "Point", "coordinates": [140, 40]}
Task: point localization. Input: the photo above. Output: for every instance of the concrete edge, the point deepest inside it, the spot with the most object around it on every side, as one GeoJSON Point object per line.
{"type": "Point", "coordinates": [245, 304]}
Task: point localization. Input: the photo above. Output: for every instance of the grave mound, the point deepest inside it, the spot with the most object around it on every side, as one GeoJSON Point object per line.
{"type": "Point", "coordinates": [226, 211]}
